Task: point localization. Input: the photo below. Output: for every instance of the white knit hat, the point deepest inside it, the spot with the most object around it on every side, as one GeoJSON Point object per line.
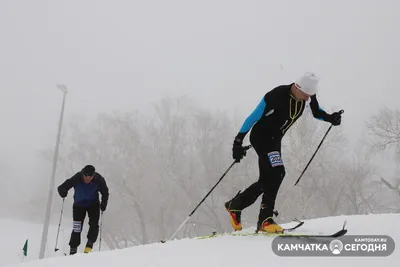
{"type": "Point", "coordinates": [308, 83]}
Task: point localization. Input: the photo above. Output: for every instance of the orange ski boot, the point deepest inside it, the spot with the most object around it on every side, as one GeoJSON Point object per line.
{"type": "Point", "coordinates": [235, 216]}
{"type": "Point", "coordinates": [269, 226]}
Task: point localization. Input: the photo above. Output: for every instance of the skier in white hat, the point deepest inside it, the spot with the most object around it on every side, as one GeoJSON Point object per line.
{"type": "Point", "coordinates": [275, 114]}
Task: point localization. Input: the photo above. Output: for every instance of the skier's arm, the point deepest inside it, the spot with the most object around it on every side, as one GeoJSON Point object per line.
{"type": "Point", "coordinates": [67, 185]}
{"type": "Point", "coordinates": [252, 119]}
{"type": "Point", "coordinates": [334, 118]}
{"type": "Point", "coordinates": [317, 111]}
{"type": "Point", "coordinates": [270, 100]}
{"type": "Point", "coordinates": [103, 188]}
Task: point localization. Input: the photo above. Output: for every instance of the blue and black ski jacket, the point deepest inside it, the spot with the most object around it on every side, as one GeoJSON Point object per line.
{"type": "Point", "coordinates": [277, 111]}
{"type": "Point", "coordinates": [86, 194]}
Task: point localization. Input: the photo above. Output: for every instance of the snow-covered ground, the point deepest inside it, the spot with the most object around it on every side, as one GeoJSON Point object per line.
{"type": "Point", "coordinates": [222, 251]}
{"type": "Point", "coordinates": [13, 234]}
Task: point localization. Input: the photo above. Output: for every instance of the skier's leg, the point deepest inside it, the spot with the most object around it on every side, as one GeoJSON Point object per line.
{"type": "Point", "coordinates": [272, 173]}
{"type": "Point", "coordinates": [78, 214]}
{"type": "Point", "coordinates": [246, 198]}
{"type": "Point", "coordinates": [243, 200]}
{"type": "Point", "coordinates": [240, 202]}
{"type": "Point", "coordinates": [94, 215]}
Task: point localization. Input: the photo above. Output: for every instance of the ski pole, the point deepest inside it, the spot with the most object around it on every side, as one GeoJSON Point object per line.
{"type": "Point", "coordinates": [220, 179]}
{"type": "Point", "coordinates": [330, 127]}
{"type": "Point", "coordinates": [59, 225]}
{"type": "Point", "coordinates": [101, 228]}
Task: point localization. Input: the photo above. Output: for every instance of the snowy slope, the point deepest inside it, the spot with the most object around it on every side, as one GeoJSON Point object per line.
{"type": "Point", "coordinates": [13, 234]}
{"type": "Point", "coordinates": [238, 251]}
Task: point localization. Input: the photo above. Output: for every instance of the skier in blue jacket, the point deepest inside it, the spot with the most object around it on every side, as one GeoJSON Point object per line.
{"type": "Point", "coordinates": [277, 111]}
{"type": "Point", "coordinates": [87, 184]}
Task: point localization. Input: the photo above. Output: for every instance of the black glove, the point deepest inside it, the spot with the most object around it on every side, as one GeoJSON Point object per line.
{"type": "Point", "coordinates": [103, 206]}
{"type": "Point", "coordinates": [335, 118]}
{"type": "Point", "coordinates": [63, 194]}
{"type": "Point", "coordinates": [238, 151]}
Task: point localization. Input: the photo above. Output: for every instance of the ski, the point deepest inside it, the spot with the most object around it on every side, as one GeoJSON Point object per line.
{"type": "Point", "coordinates": [339, 233]}
{"type": "Point", "coordinates": [300, 223]}
{"type": "Point", "coordinates": [238, 233]}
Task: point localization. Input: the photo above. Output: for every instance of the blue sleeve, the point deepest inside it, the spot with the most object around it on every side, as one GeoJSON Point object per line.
{"type": "Point", "coordinates": [317, 111]}
{"type": "Point", "coordinates": [254, 117]}
{"type": "Point", "coordinates": [320, 113]}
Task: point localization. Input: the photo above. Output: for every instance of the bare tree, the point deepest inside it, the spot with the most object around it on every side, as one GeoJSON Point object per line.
{"type": "Point", "coordinates": [360, 187]}
{"type": "Point", "coordinates": [394, 205]}
{"type": "Point", "coordinates": [384, 130]}
{"type": "Point", "coordinates": [385, 127]}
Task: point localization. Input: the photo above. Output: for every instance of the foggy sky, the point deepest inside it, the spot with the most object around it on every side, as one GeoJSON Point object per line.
{"type": "Point", "coordinates": [124, 55]}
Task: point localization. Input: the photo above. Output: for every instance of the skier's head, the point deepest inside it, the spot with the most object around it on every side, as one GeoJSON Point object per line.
{"type": "Point", "coordinates": [306, 86]}
{"type": "Point", "coordinates": [88, 173]}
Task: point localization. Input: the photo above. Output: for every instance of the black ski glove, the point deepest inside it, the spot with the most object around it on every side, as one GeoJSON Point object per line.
{"type": "Point", "coordinates": [238, 151]}
{"type": "Point", "coordinates": [103, 206]}
{"type": "Point", "coordinates": [63, 194]}
{"type": "Point", "coordinates": [335, 118]}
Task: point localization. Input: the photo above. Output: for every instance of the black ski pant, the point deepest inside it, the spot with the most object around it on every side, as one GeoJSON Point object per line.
{"type": "Point", "coordinates": [271, 174]}
{"type": "Point", "coordinates": [79, 214]}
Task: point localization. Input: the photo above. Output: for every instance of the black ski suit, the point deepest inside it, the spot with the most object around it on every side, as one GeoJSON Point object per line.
{"type": "Point", "coordinates": [275, 114]}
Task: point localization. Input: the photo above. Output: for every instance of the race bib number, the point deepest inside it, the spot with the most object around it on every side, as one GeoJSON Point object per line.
{"type": "Point", "coordinates": [275, 159]}
{"type": "Point", "coordinates": [77, 226]}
